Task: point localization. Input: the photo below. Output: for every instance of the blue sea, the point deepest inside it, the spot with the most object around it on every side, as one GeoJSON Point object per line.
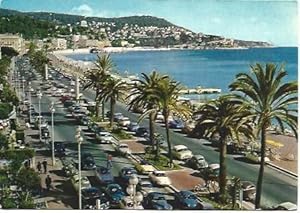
{"type": "Point", "coordinates": [205, 68]}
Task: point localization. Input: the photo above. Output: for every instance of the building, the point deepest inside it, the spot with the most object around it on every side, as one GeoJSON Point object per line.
{"type": "Point", "coordinates": [14, 41]}
{"type": "Point", "coordinates": [83, 23]}
{"type": "Point", "coordinates": [59, 43]}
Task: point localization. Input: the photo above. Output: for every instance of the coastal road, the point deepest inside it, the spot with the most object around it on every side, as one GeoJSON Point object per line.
{"type": "Point", "coordinates": [277, 187]}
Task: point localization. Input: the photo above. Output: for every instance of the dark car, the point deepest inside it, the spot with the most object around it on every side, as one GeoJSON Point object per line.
{"type": "Point", "coordinates": [157, 201]}
{"type": "Point", "coordinates": [104, 175]}
{"type": "Point", "coordinates": [197, 162]}
{"type": "Point", "coordinates": [186, 200]}
{"type": "Point", "coordinates": [45, 133]}
{"type": "Point", "coordinates": [114, 193]}
{"type": "Point", "coordinates": [126, 173]}
{"type": "Point", "coordinates": [90, 195]}
{"type": "Point", "coordinates": [132, 127]}
{"type": "Point", "coordinates": [176, 124]}
{"type": "Point", "coordinates": [87, 162]}
{"type": "Point", "coordinates": [142, 132]}
{"type": "Point", "coordinates": [59, 148]}
{"type": "Point", "coordinates": [83, 120]}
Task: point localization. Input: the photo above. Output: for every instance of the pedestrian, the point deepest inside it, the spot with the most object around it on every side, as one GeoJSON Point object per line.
{"type": "Point", "coordinates": [109, 162]}
{"type": "Point", "coordinates": [48, 182]}
{"type": "Point", "coordinates": [39, 167]}
{"type": "Point", "coordinates": [45, 165]}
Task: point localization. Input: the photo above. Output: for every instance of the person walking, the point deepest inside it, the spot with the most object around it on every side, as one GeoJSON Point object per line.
{"type": "Point", "coordinates": [45, 165]}
{"type": "Point", "coordinates": [39, 167]}
{"type": "Point", "coordinates": [48, 182]}
{"type": "Point", "coordinates": [109, 162]}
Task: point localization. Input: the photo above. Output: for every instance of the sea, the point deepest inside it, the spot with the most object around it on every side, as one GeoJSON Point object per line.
{"type": "Point", "coordinates": [205, 68]}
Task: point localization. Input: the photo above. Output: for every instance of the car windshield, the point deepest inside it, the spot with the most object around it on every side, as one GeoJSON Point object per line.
{"type": "Point", "coordinates": [130, 172]}
{"type": "Point", "coordinates": [146, 185]}
{"type": "Point", "coordinates": [123, 146]}
{"type": "Point", "coordinates": [190, 196]}
{"type": "Point", "coordinates": [160, 174]}
{"type": "Point", "coordinates": [159, 197]}
{"type": "Point", "coordinates": [182, 150]}
{"type": "Point", "coordinates": [115, 189]}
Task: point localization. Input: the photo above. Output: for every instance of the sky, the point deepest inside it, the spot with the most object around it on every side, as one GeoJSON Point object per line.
{"type": "Point", "coordinates": [274, 21]}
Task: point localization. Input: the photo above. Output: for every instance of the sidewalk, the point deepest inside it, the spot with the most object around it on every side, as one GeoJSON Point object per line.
{"type": "Point", "coordinates": [61, 196]}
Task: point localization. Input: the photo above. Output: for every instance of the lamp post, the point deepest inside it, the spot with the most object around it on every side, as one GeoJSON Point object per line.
{"type": "Point", "coordinates": [136, 197]}
{"type": "Point", "coordinates": [52, 109]}
{"type": "Point", "coordinates": [23, 89]}
{"type": "Point", "coordinates": [79, 141]}
{"type": "Point", "coordinates": [29, 97]}
{"type": "Point", "coordinates": [40, 119]}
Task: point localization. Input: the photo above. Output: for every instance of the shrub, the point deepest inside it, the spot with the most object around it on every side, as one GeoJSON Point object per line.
{"type": "Point", "coordinates": [120, 134]}
{"type": "Point", "coordinates": [5, 109]}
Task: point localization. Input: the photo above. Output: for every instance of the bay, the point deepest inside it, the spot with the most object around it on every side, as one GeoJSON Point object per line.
{"type": "Point", "coordinates": [205, 68]}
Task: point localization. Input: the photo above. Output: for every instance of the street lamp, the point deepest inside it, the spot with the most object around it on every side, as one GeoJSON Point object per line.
{"type": "Point", "coordinates": [29, 94]}
{"type": "Point", "coordinates": [23, 93]}
{"type": "Point", "coordinates": [136, 197]}
{"type": "Point", "coordinates": [40, 118]}
{"type": "Point", "coordinates": [79, 141]}
{"type": "Point", "coordinates": [52, 109]}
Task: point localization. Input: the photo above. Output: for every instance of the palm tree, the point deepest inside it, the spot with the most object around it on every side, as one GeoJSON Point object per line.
{"type": "Point", "coordinates": [229, 119]}
{"type": "Point", "coordinates": [167, 92]}
{"type": "Point", "coordinates": [114, 89]}
{"type": "Point", "coordinates": [143, 96]}
{"type": "Point", "coordinates": [95, 78]}
{"type": "Point", "coordinates": [270, 100]}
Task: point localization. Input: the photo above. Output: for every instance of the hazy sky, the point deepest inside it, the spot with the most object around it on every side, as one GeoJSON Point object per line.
{"type": "Point", "coordinates": [274, 21]}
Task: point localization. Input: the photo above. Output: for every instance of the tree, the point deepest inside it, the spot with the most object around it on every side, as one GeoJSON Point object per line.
{"type": "Point", "coordinates": [270, 99]}
{"type": "Point", "coordinates": [28, 179]}
{"type": "Point", "coordinates": [95, 78]}
{"type": "Point", "coordinates": [229, 119]}
{"type": "Point", "coordinates": [3, 142]}
{"type": "Point", "coordinates": [38, 60]}
{"type": "Point", "coordinates": [167, 92]}
{"type": "Point", "coordinates": [113, 90]}
{"type": "Point", "coordinates": [143, 95]}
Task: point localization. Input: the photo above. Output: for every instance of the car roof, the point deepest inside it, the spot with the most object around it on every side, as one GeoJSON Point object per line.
{"type": "Point", "coordinates": [198, 156]}
{"type": "Point", "coordinates": [288, 205]}
{"type": "Point", "coordinates": [185, 192]}
{"type": "Point", "coordinates": [214, 166]}
{"type": "Point", "coordinates": [180, 147]}
{"type": "Point", "coordinates": [159, 172]}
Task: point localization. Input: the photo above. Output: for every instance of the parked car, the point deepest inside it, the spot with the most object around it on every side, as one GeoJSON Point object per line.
{"type": "Point", "coordinates": [145, 187]}
{"type": "Point", "coordinates": [123, 148]}
{"type": "Point", "coordinates": [104, 137]}
{"type": "Point", "coordinates": [85, 183]}
{"type": "Point", "coordinates": [249, 190]}
{"type": "Point", "coordinates": [186, 200]}
{"type": "Point", "coordinates": [181, 152]}
{"type": "Point", "coordinates": [104, 175]}
{"type": "Point", "coordinates": [90, 195]}
{"type": "Point", "coordinates": [159, 117]}
{"type": "Point", "coordinates": [286, 206]}
{"type": "Point", "coordinates": [197, 162]}
{"type": "Point", "coordinates": [176, 124]}
{"type": "Point", "coordinates": [127, 203]}
{"type": "Point", "coordinates": [83, 120]}
{"type": "Point", "coordinates": [142, 132]}
{"type": "Point", "coordinates": [157, 201]}
{"type": "Point", "coordinates": [126, 173]}
{"type": "Point", "coordinates": [59, 148]}
{"type": "Point", "coordinates": [214, 169]}
{"type": "Point", "coordinates": [160, 178]}
{"type": "Point", "coordinates": [87, 161]}
{"type": "Point", "coordinates": [124, 121]}
{"type": "Point", "coordinates": [132, 127]}
{"type": "Point", "coordinates": [114, 193]}
{"type": "Point", "coordinates": [45, 132]}
{"type": "Point", "coordinates": [118, 116]}
{"type": "Point", "coordinates": [146, 167]}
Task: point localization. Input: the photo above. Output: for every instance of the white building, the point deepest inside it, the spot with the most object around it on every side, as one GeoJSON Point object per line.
{"type": "Point", "coordinates": [14, 41]}
{"type": "Point", "coordinates": [59, 43]}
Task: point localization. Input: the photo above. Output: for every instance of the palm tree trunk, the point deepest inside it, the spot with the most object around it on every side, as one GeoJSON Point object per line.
{"type": "Point", "coordinates": [261, 169]}
{"type": "Point", "coordinates": [112, 109]}
{"type": "Point", "coordinates": [151, 129]}
{"type": "Point", "coordinates": [103, 110]}
{"type": "Point", "coordinates": [97, 104]}
{"type": "Point", "coordinates": [166, 115]}
{"type": "Point", "coordinates": [223, 172]}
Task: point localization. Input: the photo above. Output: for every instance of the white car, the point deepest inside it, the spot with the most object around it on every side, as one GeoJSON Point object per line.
{"type": "Point", "coordinates": [146, 168]}
{"type": "Point", "coordinates": [127, 203]}
{"type": "Point", "coordinates": [146, 187]}
{"type": "Point", "coordinates": [85, 183]}
{"type": "Point", "coordinates": [286, 206]}
{"type": "Point", "coordinates": [182, 152]}
{"type": "Point", "coordinates": [104, 137]}
{"type": "Point", "coordinates": [160, 178]}
{"type": "Point", "coordinates": [124, 121]}
{"type": "Point", "coordinates": [123, 148]}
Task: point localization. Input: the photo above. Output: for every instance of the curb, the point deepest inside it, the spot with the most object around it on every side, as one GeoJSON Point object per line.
{"type": "Point", "coordinates": [271, 165]}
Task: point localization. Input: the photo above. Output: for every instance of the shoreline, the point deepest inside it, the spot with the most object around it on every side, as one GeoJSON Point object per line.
{"type": "Point", "coordinates": [140, 49]}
